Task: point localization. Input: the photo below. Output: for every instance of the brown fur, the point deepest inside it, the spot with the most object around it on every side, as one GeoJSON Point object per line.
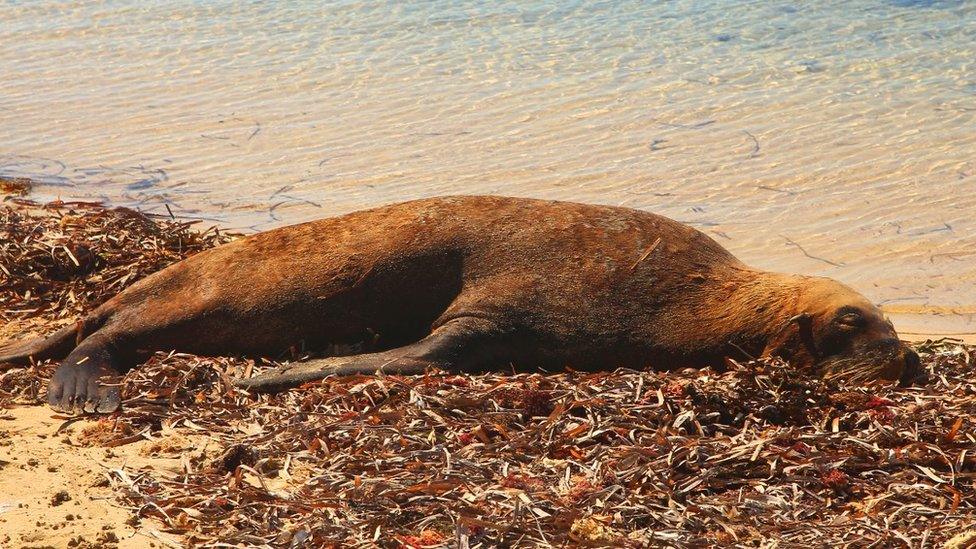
{"type": "Point", "coordinates": [466, 282]}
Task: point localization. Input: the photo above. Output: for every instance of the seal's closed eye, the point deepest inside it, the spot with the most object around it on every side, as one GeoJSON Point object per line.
{"type": "Point", "coordinates": [849, 318]}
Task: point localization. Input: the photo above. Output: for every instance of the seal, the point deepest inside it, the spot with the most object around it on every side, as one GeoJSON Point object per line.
{"type": "Point", "coordinates": [470, 284]}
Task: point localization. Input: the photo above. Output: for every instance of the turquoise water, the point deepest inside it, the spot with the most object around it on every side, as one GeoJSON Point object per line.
{"type": "Point", "coordinates": [833, 138]}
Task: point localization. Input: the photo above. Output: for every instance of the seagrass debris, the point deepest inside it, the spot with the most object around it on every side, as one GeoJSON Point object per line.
{"type": "Point", "coordinates": [18, 186]}
{"type": "Point", "coordinates": [62, 258]}
{"type": "Point", "coordinates": [758, 455]}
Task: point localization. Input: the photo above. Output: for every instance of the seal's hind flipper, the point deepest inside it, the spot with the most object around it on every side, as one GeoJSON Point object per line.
{"type": "Point", "coordinates": [461, 345]}
{"type": "Point", "coordinates": [87, 380]}
{"type": "Point", "coordinates": [56, 345]}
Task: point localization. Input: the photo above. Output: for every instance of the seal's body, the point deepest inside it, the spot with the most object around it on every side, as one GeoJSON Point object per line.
{"type": "Point", "coordinates": [468, 283]}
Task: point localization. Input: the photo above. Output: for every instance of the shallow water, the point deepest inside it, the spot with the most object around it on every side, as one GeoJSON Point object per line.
{"type": "Point", "coordinates": [831, 138]}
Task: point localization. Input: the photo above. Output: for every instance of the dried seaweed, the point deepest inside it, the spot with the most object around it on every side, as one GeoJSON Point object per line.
{"type": "Point", "coordinates": [64, 258]}
{"type": "Point", "coordinates": [19, 186]}
{"type": "Point", "coordinates": [761, 454]}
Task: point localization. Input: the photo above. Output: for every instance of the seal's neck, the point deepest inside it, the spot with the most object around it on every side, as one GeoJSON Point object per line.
{"type": "Point", "coordinates": [749, 309]}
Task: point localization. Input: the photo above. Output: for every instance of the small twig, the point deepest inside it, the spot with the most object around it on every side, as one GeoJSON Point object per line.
{"type": "Point", "coordinates": [792, 242]}
{"type": "Point", "coordinates": [694, 126]}
{"type": "Point", "coordinates": [647, 253]}
{"type": "Point", "coordinates": [774, 189]}
{"type": "Point", "coordinates": [755, 144]}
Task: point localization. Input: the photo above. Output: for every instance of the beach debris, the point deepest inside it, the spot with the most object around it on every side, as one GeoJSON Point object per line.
{"type": "Point", "coordinates": [63, 258]}
{"type": "Point", "coordinates": [19, 186]}
{"type": "Point", "coordinates": [758, 454]}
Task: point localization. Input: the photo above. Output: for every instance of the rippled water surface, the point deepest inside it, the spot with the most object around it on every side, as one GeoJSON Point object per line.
{"type": "Point", "coordinates": [834, 138]}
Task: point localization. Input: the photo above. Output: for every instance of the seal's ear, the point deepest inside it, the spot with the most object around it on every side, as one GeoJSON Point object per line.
{"type": "Point", "coordinates": [794, 342]}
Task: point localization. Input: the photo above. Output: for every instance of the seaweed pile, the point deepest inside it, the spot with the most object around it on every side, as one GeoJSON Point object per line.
{"type": "Point", "coordinates": [62, 258]}
{"type": "Point", "coordinates": [758, 455]}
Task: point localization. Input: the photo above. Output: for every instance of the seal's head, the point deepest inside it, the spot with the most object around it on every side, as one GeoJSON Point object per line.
{"type": "Point", "coordinates": [843, 335]}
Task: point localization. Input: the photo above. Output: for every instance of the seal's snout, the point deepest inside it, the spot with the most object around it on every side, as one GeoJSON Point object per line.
{"type": "Point", "coordinates": [887, 359]}
{"type": "Point", "coordinates": [893, 358]}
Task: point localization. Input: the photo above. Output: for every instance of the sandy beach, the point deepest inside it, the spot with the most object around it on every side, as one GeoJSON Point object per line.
{"type": "Point", "coordinates": [55, 490]}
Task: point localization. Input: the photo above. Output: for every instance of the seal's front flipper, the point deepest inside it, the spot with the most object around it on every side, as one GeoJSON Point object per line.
{"type": "Point", "coordinates": [88, 380]}
{"type": "Point", "coordinates": [461, 345]}
{"type": "Point", "coordinates": [293, 375]}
